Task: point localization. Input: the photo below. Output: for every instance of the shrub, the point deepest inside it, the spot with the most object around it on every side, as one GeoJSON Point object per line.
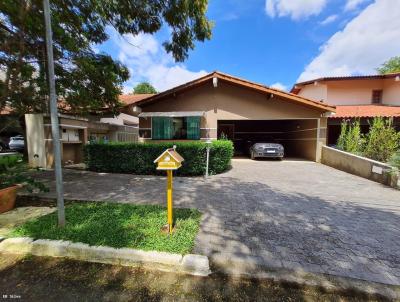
{"type": "Point", "coordinates": [13, 172]}
{"type": "Point", "coordinates": [138, 158]}
{"type": "Point", "coordinates": [342, 137]}
{"type": "Point", "coordinates": [395, 160]}
{"type": "Point", "coordinates": [351, 139]}
{"type": "Point", "coordinates": [382, 140]}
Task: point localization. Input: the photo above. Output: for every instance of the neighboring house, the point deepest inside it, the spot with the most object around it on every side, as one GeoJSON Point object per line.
{"type": "Point", "coordinates": [129, 111]}
{"type": "Point", "coordinates": [75, 131]}
{"type": "Point", "coordinates": [219, 105]}
{"type": "Point", "coordinates": [355, 97]}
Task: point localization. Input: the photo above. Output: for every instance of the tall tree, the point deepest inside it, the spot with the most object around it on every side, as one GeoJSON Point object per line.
{"type": "Point", "coordinates": [85, 80]}
{"type": "Point", "coordinates": [390, 66]}
{"type": "Point", "coordinates": [143, 88]}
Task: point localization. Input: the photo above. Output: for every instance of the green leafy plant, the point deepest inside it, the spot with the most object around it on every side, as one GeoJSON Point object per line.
{"type": "Point", "coordinates": [382, 140]}
{"type": "Point", "coordinates": [13, 171]}
{"type": "Point", "coordinates": [350, 139]}
{"type": "Point", "coordinates": [390, 66]}
{"type": "Point", "coordinates": [342, 137]}
{"type": "Point", "coordinates": [395, 160]}
{"type": "Point", "coordinates": [138, 158]}
{"type": "Point", "coordinates": [87, 80]}
{"type": "Point", "coordinates": [143, 88]}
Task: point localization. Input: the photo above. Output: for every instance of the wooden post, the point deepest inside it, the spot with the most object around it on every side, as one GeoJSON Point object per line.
{"type": "Point", "coordinates": [169, 200]}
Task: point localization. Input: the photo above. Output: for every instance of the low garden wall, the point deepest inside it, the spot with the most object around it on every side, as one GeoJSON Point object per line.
{"type": "Point", "coordinates": [138, 158]}
{"type": "Point", "coordinates": [360, 166]}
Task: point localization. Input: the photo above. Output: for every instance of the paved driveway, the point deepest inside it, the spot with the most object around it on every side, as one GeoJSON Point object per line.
{"type": "Point", "coordinates": [289, 214]}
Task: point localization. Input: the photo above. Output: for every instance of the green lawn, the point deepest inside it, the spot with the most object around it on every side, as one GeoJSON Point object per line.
{"type": "Point", "coordinates": [118, 225]}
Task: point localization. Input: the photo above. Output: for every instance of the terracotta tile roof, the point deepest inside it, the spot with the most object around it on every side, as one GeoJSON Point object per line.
{"type": "Point", "coordinates": [366, 111]}
{"type": "Point", "coordinates": [297, 87]}
{"type": "Point", "coordinates": [5, 111]}
{"type": "Point", "coordinates": [242, 83]}
{"type": "Point", "coordinates": [129, 99]}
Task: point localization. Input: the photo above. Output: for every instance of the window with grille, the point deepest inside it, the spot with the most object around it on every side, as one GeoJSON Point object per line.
{"type": "Point", "coordinates": [376, 96]}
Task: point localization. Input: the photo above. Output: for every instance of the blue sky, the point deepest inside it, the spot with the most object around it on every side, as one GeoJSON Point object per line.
{"type": "Point", "coordinates": [273, 42]}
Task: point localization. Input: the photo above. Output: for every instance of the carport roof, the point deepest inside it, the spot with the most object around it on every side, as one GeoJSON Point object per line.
{"type": "Point", "coordinates": [238, 82]}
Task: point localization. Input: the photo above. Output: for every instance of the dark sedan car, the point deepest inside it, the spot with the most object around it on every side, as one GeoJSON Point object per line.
{"type": "Point", "coordinates": [271, 150]}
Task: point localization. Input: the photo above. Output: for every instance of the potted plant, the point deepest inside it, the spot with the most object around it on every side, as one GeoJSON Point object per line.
{"type": "Point", "coordinates": [13, 175]}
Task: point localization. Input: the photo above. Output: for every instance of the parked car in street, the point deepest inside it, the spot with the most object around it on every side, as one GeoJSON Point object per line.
{"type": "Point", "coordinates": [17, 143]}
{"type": "Point", "coordinates": [267, 149]}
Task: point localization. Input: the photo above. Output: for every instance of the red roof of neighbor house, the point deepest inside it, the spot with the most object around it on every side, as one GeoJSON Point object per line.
{"type": "Point", "coordinates": [367, 111]}
{"type": "Point", "coordinates": [242, 83]}
{"type": "Point", "coordinates": [5, 111]}
{"type": "Point", "coordinates": [295, 89]}
{"type": "Point", "coordinates": [129, 99]}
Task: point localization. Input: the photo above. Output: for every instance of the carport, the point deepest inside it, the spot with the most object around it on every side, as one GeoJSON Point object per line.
{"type": "Point", "coordinates": [298, 136]}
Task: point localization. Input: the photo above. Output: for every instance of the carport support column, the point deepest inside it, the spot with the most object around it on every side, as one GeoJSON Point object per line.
{"type": "Point", "coordinates": [318, 142]}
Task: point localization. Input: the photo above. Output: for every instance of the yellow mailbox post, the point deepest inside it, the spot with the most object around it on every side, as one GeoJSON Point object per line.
{"type": "Point", "coordinates": [169, 160]}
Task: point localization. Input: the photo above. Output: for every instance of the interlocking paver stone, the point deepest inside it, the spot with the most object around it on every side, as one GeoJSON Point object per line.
{"type": "Point", "coordinates": [303, 214]}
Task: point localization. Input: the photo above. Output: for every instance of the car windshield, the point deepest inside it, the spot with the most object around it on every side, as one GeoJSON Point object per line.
{"type": "Point", "coordinates": [17, 138]}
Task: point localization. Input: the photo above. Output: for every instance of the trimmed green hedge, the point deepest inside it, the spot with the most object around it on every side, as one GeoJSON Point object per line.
{"type": "Point", "coordinates": [138, 158]}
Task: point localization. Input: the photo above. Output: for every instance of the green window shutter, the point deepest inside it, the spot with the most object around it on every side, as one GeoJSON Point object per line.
{"type": "Point", "coordinates": [161, 127]}
{"type": "Point", "coordinates": [193, 127]}
{"type": "Point", "coordinates": [168, 128]}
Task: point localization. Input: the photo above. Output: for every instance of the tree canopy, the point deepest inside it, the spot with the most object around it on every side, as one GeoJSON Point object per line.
{"type": "Point", "coordinates": [143, 88]}
{"type": "Point", "coordinates": [390, 66]}
{"type": "Point", "coordinates": [85, 80]}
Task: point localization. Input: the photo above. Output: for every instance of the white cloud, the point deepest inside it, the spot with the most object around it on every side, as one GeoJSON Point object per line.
{"type": "Point", "coordinates": [328, 20]}
{"type": "Point", "coordinates": [279, 85]}
{"type": "Point", "coordinates": [353, 4]}
{"type": "Point", "coordinates": [295, 9]}
{"type": "Point", "coordinates": [148, 61]}
{"type": "Point", "coordinates": [363, 45]}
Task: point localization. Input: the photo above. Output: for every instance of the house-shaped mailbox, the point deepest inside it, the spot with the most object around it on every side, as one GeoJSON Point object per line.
{"type": "Point", "coordinates": [169, 160]}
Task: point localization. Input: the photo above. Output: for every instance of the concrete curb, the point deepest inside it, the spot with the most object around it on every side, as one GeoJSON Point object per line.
{"type": "Point", "coordinates": [189, 264]}
{"type": "Point", "coordinates": [253, 267]}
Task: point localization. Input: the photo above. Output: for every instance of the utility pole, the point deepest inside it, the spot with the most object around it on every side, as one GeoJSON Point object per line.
{"type": "Point", "coordinates": [55, 130]}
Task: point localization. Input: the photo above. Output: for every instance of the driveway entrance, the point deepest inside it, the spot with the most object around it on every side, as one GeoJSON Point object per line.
{"type": "Point", "coordinates": [290, 214]}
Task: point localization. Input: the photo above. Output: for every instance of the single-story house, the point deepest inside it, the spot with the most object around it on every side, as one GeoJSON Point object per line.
{"type": "Point", "coordinates": [220, 105]}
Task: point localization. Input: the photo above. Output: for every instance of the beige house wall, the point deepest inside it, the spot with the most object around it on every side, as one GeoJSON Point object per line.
{"type": "Point", "coordinates": [357, 92]}
{"type": "Point", "coordinates": [353, 92]}
{"type": "Point", "coordinates": [391, 92]}
{"type": "Point", "coordinates": [316, 92]}
{"type": "Point", "coordinates": [228, 102]}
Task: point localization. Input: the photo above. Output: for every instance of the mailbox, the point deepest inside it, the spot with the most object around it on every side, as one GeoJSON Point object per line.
{"type": "Point", "coordinates": [169, 160]}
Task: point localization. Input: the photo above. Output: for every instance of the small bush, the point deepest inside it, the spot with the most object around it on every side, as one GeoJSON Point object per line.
{"type": "Point", "coordinates": [13, 171]}
{"type": "Point", "coordinates": [382, 140]}
{"type": "Point", "coordinates": [395, 160]}
{"type": "Point", "coordinates": [351, 139]}
{"type": "Point", "coordinates": [138, 158]}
